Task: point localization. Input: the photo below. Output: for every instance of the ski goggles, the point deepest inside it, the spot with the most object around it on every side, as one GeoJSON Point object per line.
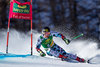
{"type": "Point", "coordinates": [45, 30]}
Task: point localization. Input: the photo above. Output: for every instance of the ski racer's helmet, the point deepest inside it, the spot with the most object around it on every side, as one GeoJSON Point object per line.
{"type": "Point", "coordinates": [46, 29]}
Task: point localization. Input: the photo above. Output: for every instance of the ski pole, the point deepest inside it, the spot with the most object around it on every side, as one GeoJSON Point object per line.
{"type": "Point", "coordinates": [77, 36]}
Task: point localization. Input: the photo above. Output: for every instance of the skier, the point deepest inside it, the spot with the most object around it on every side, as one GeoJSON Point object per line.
{"type": "Point", "coordinates": [51, 48]}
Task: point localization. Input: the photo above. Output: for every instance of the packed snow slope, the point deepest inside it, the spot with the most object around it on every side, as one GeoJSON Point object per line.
{"type": "Point", "coordinates": [20, 43]}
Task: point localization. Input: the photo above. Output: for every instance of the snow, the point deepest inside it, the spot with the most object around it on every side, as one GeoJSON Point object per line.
{"type": "Point", "coordinates": [20, 43]}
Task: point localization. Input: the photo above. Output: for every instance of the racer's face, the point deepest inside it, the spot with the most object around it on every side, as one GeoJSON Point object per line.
{"type": "Point", "coordinates": [46, 34]}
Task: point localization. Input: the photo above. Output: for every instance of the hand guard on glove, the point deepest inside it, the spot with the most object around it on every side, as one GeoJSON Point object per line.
{"type": "Point", "coordinates": [67, 41]}
{"type": "Point", "coordinates": [41, 53]}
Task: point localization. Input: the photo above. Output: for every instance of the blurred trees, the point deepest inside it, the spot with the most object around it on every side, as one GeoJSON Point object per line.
{"type": "Point", "coordinates": [78, 16]}
{"type": "Point", "coordinates": [73, 14]}
{"type": "Point", "coordinates": [3, 13]}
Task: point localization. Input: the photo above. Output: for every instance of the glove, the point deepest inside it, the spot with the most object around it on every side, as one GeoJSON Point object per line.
{"type": "Point", "coordinates": [42, 53]}
{"type": "Point", "coordinates": [67, 41]}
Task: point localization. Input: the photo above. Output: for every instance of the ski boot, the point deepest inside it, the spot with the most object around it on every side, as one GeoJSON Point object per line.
{"type": "Point", "coordinates": [81, 60]}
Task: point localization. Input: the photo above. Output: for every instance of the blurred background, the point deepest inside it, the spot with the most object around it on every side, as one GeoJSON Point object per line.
{"type": "Point", "coordinates": [69, 17]}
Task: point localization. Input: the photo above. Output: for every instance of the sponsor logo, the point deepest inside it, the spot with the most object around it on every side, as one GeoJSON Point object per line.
{"type": "Point", "coordinates": [23, 7]}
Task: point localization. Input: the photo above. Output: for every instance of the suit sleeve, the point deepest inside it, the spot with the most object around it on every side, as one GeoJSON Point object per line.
{"type": "Point", "coordinates": [56, 34]}
{"type": "Point", "coordinates": [38, 45]}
